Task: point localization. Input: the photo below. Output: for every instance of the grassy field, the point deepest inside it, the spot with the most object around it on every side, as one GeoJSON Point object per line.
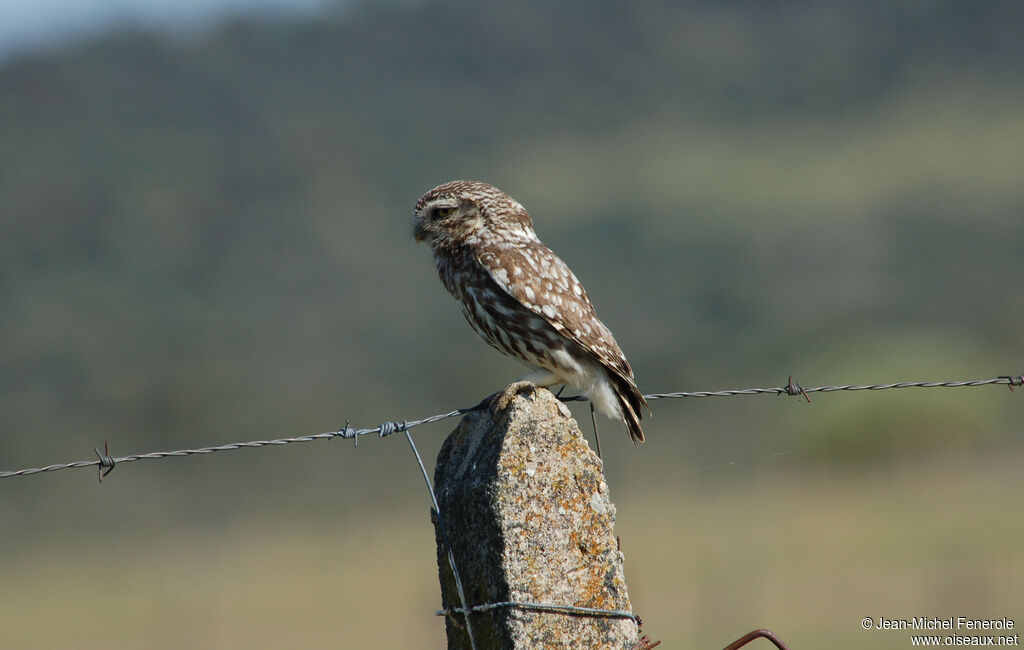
{"type": "Point", "coordinates": [710, 555]}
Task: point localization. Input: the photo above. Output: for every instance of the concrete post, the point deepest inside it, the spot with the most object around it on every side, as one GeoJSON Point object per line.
{"type": "Point", "coordinates": [526, 511]}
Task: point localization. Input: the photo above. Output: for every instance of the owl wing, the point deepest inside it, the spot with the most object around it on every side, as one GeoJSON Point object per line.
{"type": "Point", "coordinates": [540, 281]}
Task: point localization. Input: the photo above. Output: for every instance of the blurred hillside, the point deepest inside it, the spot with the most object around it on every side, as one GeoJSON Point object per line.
{"type": "Point", "coordinates": [207, 240]}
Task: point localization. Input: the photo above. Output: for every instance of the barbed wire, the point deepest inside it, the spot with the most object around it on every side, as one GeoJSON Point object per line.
{"type": "Point", "coordinates": [105, 463]}
{"type": "Point", "coordinates": [541, 607]}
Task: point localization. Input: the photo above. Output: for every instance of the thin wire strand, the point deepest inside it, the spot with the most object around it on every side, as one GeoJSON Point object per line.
{"type": "Point", "coordinates": [541, 607]}
{"type": "Point", "coordinates": [447, 544]}
{"type": "Point", "coordinates": [347, 432]}
{"type": "Point", "coordinates": [387, 428]}
{"type": "Point", "coordinates": [106, 462]}
{"type": "Point", "coordinates": [784, 390]}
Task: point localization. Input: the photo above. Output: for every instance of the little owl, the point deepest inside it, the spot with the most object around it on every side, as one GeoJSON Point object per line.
{"type": "Point", "coordinates": [521, 298]}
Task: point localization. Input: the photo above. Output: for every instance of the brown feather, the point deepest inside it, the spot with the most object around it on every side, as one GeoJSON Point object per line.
{"type": "Point", "coordinates": [521, 297]}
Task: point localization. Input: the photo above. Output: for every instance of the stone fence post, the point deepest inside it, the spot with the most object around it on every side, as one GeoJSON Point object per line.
{"type": "Point", "coordinates": [526, 514]}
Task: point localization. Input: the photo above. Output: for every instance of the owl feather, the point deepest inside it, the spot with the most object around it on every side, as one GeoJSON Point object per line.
{"type": "Point", "coordinates": [522, 298]}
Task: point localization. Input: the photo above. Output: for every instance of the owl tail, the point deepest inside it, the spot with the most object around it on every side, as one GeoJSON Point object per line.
{"type": "Point", "coordinates": [631, 401]}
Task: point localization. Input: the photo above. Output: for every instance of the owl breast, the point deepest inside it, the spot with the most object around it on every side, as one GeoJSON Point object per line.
{"type": "Point", "coordinates": [497, 317]}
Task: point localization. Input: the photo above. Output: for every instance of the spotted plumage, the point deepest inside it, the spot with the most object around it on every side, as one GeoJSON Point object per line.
{"type": "Point", "coordinates": [521, 298]}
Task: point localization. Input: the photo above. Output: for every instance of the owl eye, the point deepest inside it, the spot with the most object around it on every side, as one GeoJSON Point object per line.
{"type": "Point", "coordinates": [443, 212]}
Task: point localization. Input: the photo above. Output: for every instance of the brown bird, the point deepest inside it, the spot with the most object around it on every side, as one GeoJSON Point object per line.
{"type": "Point", "coordinates": [522, 299]}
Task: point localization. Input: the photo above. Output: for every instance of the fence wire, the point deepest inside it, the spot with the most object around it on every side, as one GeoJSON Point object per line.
{"type": "Point", "coordinates": [105, 462]}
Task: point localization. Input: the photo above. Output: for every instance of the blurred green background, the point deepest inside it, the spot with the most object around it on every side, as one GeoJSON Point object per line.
{"type": "Point", "coordinates": [204, 238]}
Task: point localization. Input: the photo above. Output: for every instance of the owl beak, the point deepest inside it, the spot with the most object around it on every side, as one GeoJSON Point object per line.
{"type": "Point", "coordinates": [420, 233]}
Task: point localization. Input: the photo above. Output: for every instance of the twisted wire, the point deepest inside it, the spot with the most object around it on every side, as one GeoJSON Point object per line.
{"type": "Point", "coordinates": [541, 607]}
{"type": "Point", "coordinates": [787, 390]}
{"type": "Point", "coordinates": [346, 432]}
{"type": "Point", "coordinates": [107, 462]}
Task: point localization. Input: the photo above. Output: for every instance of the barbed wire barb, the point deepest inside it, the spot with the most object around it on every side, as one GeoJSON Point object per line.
{"type": "Point", "coordinates": [107, 462]}
{"type": "Point", "coordinates": [1014, 381]}
{"type": "Point", "coordinates": [794, 390]}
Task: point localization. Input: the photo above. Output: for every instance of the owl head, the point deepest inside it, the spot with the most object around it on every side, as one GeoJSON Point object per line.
{"type": "Point", "coordinates": [462, 212]}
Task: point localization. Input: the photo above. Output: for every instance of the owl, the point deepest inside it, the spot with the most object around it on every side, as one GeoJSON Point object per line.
{"type": "Point", "coordinates": [522, 299]}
